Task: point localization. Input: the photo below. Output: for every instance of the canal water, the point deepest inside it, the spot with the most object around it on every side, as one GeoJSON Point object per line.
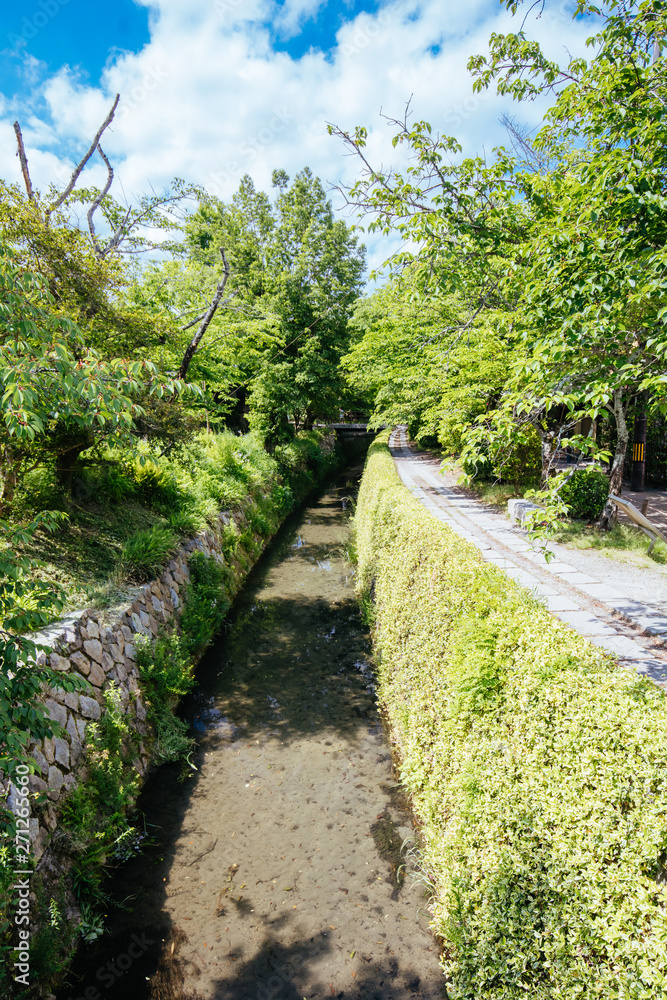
{"type": "Point", "coordinates": [277, 869]}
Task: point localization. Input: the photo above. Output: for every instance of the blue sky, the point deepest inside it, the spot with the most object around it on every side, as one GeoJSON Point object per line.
{"type": "Point", "coordinates": [85, 35]}
{"type": "Point", "coordinates": [213, 89]}
{"type": "Point", "coordinates": [78, 32]}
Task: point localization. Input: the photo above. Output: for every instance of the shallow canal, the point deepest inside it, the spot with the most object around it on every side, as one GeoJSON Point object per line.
{"type": "Point", "coordinates": [276, 869]}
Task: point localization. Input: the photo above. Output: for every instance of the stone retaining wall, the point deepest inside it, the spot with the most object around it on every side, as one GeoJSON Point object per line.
{"type": "Point", "coordinates": [99, 645]}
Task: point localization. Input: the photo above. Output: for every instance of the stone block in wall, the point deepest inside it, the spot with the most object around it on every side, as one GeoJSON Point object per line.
{"type": "Point", "coordinates": [39, 759]}
{"type": "Point", "coordinates": [89, 708]}
{"type": "Point", "coordinates": [96, 676]}
{"type": "Point", "coordinates": [93, 649]}
{"type": "Point", "coordinates": [81, 728]}
{"type": "Point", "coordinates": [76, 753]}
{"type": "Point", "coordinates": [81, 662]}
{"type": "Point", "coordinates": [50, 819]}
{"type": "Point", "coordinates": [116, 651]}
{"type": "Point", "coordinates": [56, 712]}
{"type": "Point", "coordinates": [121, 673]}
{"type": "Point", "coordinates": [58, 662]}
{"type": "Point", "coordinates": [127, 633]}
{"type": "Point", "coordinates": [62, 752]}
{"type": "Point", "coordinates": [92, 630]}
{"type": "Point", "coordinates": [108, 662]}
{"type": "Point", "coordinates": [49, 750]}
{"type": "Point", "coordinates": [71, 639]}
{"type": "Point", "coordinates": [69, 782]}
{"type": "Point", "coordinates": [40, 843]}
{"type": "Point", "coordinates": [140, 710]}
{"type": "Point", "coordinates": [138, 624]}
{"type": "Point", "coordinates": [37, 784]}
{"type": "Point", "coordinates": [55, 783]}
{"type": "Point", "coordinates": [129, 651]}
{"type": "Point", "coordinates": [175, 600]}
{"type": "Point", "coordinates": [70, 699]}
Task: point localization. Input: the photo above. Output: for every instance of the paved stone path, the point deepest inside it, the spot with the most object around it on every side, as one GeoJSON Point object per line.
{"type": "Point", "coordinates": [634, 632]}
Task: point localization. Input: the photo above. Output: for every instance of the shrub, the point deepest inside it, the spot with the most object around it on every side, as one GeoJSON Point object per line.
{"type": "Point", "coordinates": [585, 493]}
{"type": "Point", "coordinates": [94, 813]}
{"type": "Point", "coordinates": [186, 523]}
{"type": "Point", "coordinates": [282, 498]}
{"type": "Point", "coordinates": [536, 765]}
{"type": "Point", "coordinates": [206, 602]}
{"type": "Point", "coordinates": [145, 552]}
{"type": "Point", "coordinates": [167, 673]}
{"type": "Point", "coordinates": [522, 465]}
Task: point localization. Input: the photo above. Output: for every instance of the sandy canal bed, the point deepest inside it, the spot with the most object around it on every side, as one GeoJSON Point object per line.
{"type": "Point", "coordinates": [276, 873]}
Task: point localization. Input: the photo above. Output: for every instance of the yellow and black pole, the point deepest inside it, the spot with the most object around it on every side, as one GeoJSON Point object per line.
{"type": "Point", "coordinates": [639, 453]}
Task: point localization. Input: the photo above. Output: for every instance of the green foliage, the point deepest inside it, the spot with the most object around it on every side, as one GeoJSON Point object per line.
{"type": "Point", "coordinates": [167, 674]}
{"type": "Point", "coordinates": [537, 768]}
{"type": "Point", "coordinates": [94, 815]}
{"type": "Point", "coordinates": [558, 245]}
{"type": "Point", "coordinates": [185, 523]}
{"type": "Point", "coordinates": [585, 493]}
{"type": "Point", "coordinates": [297, 272]}
{"type": "Point", "coordinates": [145, 553]}
{"type": "Point", "coordinates": [58, 397]}
{"type": "Point", "coordinates": [409, 357]}
{"type": "Point", "coordinates": [206, 603]}
{"type": "Point", "coordinates": [521, 463]}
{"type": "Point", "coordinates": [622, 543]}
{"type": "Point", "coordinates": [165, 667]}
{"type": "Point", "coordinates": [25, 605]}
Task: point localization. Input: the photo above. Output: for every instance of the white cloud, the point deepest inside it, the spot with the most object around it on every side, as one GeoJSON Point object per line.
{"type": "Point", "coordinates": [208, 99]}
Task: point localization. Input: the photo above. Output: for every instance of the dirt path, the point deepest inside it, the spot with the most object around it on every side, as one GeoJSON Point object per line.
{"type": "Point", "coordinates": [276, 873]}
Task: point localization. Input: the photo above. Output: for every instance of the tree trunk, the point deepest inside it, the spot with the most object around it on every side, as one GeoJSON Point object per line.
{"type": "Point", "coordinates": [66, 464]}
{"type": "Point", "coordinates": [208, 316]}
{"type": "Point", "coordinates": [547, 451]}
{"type": "Point", "coordinates": [608, 515]}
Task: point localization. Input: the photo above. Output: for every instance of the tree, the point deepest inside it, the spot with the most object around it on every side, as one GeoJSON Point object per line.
{"type": "Point", "coordinates": [410, 355]}
{"type": "Point", "coordinates": [569, 243]}
{"type": "Point", "coordinates": [595, 270]}
{"type": "Point", "coordinates": [314, 274]}
{"type": "Point", "coordinates": [295, 272]}
{"type": "Point", "coordinates": [56, 402]}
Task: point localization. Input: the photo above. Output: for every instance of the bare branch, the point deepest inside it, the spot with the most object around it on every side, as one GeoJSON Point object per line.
{"type": "Point", "coordinates": [194, 321]}
{"type": "Point", "coordinates": [210, 313]}
{"type": "Point", "coordinates": [124, 230]}
{"type": "Point", "coordinates": [77, 170]}
{"type": "Point", "coordinates": [119, 235]}
{"type": "Point", "coordinates": [23, 160]}
{"type": "Point", "coordinates": [98, 201]}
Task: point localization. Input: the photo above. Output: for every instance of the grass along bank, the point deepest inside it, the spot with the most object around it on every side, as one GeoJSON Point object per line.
{"type": "Point", "coordinates": [125, 514]}
{"type": "Point", "coordinates": [536, 766]}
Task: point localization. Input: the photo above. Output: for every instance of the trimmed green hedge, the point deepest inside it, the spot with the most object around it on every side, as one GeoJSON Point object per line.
{"type": "Point", "coordinates": [536, 765]}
